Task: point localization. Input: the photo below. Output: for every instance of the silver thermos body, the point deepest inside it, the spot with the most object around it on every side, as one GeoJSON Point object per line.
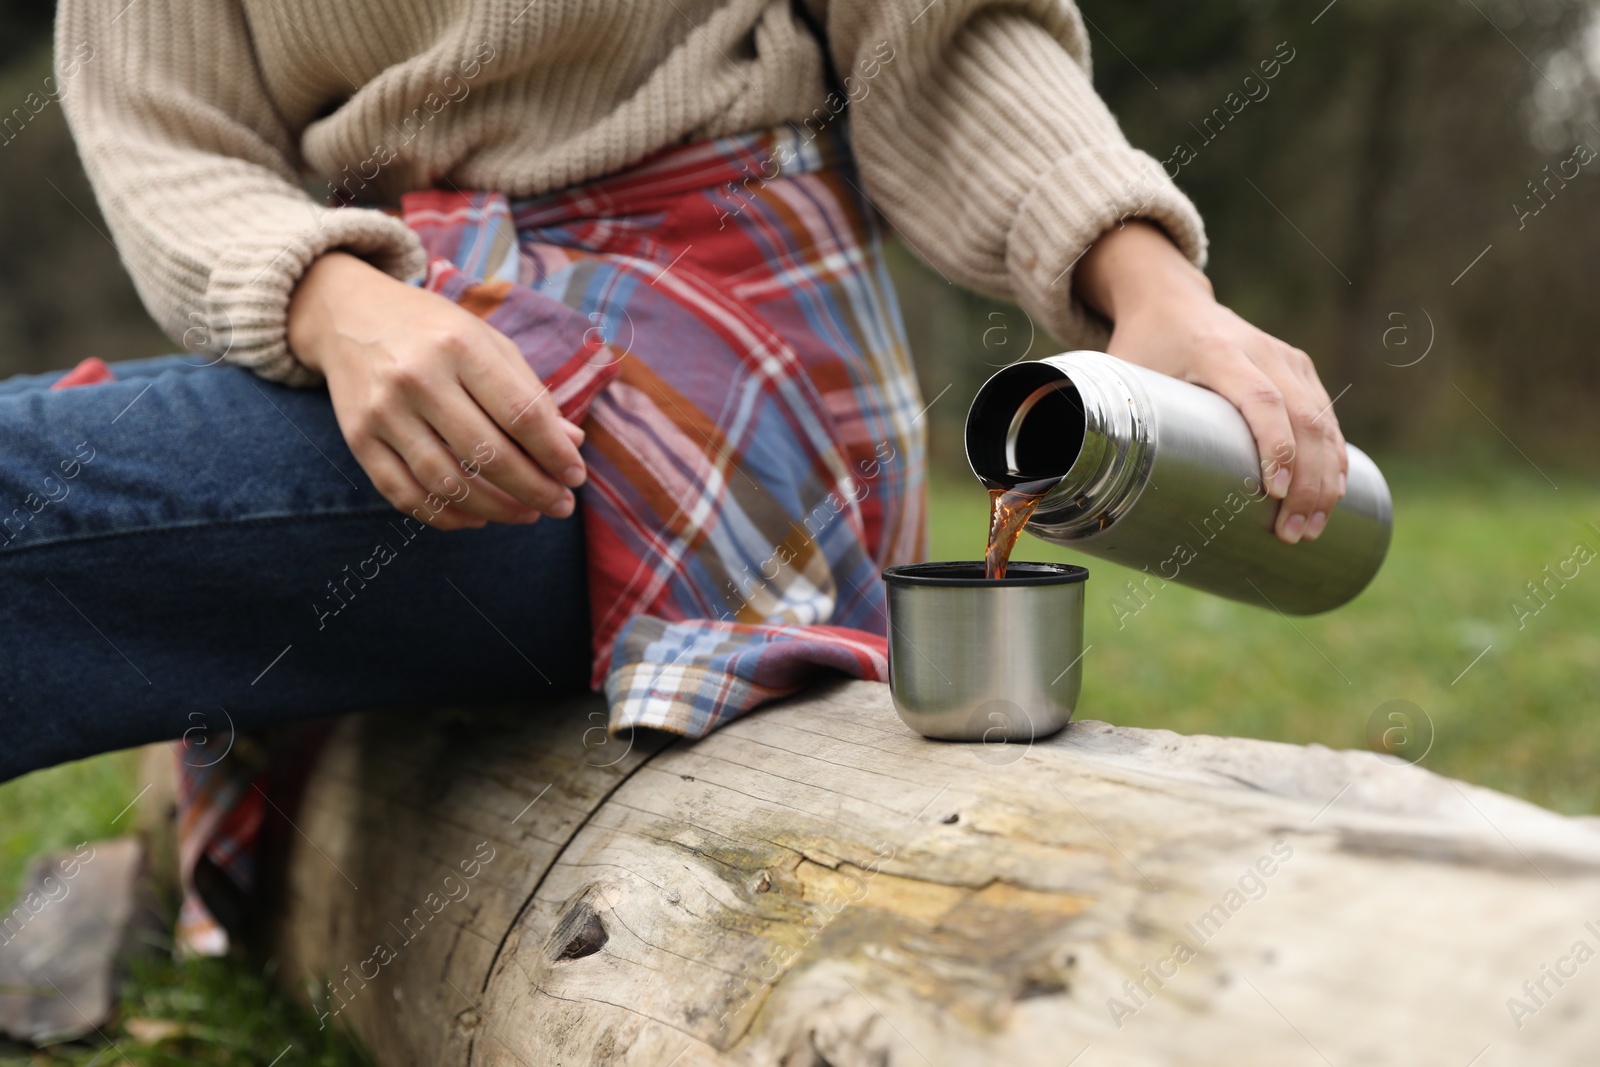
{"type": "Point", "coordinates": [1164, 477]}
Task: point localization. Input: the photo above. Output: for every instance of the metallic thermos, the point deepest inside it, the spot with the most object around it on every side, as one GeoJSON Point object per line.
{"type": "Point", "coordinates": [1164, 477]}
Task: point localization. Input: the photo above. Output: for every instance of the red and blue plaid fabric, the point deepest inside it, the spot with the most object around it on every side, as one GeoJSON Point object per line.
{"type": "Point", "coordinates": [720, 322]}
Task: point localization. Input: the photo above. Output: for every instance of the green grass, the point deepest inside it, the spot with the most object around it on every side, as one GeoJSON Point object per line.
{"type": "Point", "coordinates": [224, 1012]}
{"type": "Point", "coordinates": [58, 808]}
{"type": "Point", "coordinates": [220, 1012]}
{"type": "Point", "coordinates": [1523, 719]}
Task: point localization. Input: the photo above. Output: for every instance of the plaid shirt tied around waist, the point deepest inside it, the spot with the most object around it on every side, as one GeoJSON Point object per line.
{"type": "Point", "coordinates": [720, 322]}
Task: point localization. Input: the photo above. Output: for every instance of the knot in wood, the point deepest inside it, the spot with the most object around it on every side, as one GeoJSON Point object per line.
{"type": "Point", "coordinates": [580, 933]}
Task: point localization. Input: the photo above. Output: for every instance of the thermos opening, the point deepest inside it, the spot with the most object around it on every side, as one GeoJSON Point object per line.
{"type": "Point", "coordinates": [1026, 423]}
{"type": "Point", "coordinates": [1046, 433]}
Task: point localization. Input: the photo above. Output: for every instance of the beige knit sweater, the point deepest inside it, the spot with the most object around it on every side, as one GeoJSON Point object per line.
{"type": "Point", "coordinates": [204, 123]}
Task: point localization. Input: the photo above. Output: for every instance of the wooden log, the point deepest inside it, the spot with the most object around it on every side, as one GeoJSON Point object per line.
{"type": "Point", "coordinates": [814, 884]}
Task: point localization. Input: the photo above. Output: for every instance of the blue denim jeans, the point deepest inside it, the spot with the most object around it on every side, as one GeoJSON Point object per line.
{"type": "Point", "coordinates": [190, 546]}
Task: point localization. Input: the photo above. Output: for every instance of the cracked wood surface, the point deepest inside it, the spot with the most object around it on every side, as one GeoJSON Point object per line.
{"type": "Point", "coordinates": [814, 884]}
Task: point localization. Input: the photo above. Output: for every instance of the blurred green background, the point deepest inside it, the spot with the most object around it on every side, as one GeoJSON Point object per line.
{"type": "Point", "coordinates": [1385, 206]}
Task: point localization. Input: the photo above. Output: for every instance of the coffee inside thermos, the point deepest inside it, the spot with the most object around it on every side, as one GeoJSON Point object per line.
{"type": "Point", "coordinates": [1164, 477]}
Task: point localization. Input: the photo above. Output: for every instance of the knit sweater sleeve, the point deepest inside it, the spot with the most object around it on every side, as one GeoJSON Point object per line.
{"type": "Point", "coordinates": [193, 169]}
{"type": "Point", "coordinates": [980, 138]}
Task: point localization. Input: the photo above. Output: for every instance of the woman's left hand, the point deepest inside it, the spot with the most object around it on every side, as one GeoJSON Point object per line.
{"type": "Point", "coordinates": [1165, 317]}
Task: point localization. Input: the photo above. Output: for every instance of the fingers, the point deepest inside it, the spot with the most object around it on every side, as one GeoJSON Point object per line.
{"type": "Point", "coordinates": [1318, 446]}
{"type": "Point", "coordinates": [393, 478]}
{"type": "Point", "coordinates": [522, 406]}
{"type": "Point", "coordinates": [464, 484]}
{"type": "Point", "coordinates": [1304, 462]}
{"type": "Point", "coordinates": [442, 428]}
{"type": "Point", "coordinates": [467, 430]}
{"type": "Point", "coordinates": [444, 413]}
{"type": "Point", "coordinates": [1297, 436]}
{"type": "Point", "coordinates": [1261, 402]}
{"type": "Point", "coordinates": [1308, 373]}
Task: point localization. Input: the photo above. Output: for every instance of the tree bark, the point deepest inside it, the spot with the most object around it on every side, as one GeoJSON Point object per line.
{"type": "Point", "coordinates": [814, 884]}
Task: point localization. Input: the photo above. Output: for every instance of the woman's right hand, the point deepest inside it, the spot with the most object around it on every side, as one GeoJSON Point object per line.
{"type": "Point", "coordinates": [439, 408]}
{"type": "Point", "coordinates": [1166, 317]}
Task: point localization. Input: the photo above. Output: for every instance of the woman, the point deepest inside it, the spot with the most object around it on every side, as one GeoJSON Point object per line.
{"type": "Point", "coordinates": [651, 209]}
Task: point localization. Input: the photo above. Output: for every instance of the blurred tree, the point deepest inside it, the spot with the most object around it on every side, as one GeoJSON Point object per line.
{"type": "Point", "coordinates": [63, 292]}
{"type": "Point", "coordinates": [23, 24]}
{"type": "Point", "coordinates": [1346, 204]}
{"type": "Point", "coordinates": [1385, 195]}
{"type": "Point", "coordinates": [1348, 196]}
